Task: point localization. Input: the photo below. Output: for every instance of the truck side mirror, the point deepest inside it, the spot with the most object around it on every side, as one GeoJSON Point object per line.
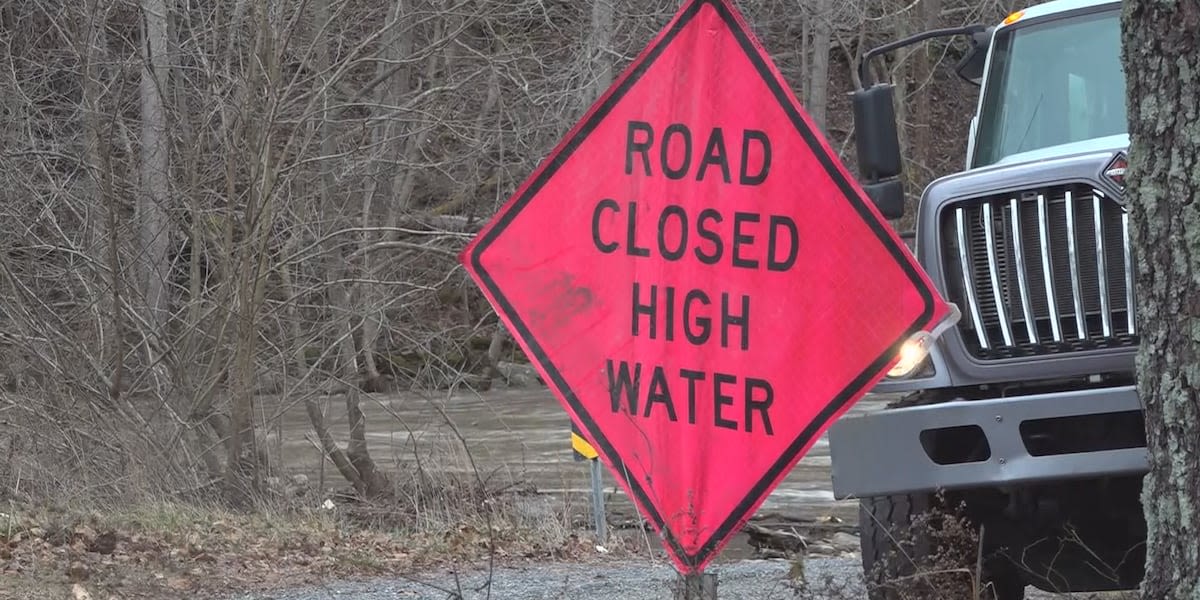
{"type": "Point", "coordinates": [878, 146]}
{"type": "Point", "coordinates": [970, 67]}
{"type": "Point", "coordinates": [875, 134]}
{"type": "Point", "coordinates": [888, 197]}
{"type": "Point", "coordinates": [876, 139]}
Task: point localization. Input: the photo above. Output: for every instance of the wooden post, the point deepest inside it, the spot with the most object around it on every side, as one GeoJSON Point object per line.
{"type": "Point", "coordinates": [697, 586]}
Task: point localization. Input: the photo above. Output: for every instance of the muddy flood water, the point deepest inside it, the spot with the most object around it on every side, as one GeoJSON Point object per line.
{"type": "Point", "coordinates": [519, 436]}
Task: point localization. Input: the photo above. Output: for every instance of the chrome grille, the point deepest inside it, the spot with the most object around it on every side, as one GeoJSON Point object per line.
{"type": "Point", "coordinates": [1040, 271]}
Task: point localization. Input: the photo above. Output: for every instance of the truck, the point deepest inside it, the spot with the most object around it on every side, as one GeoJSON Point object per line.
{"type": "Point", "coordinates": [1021, 419]}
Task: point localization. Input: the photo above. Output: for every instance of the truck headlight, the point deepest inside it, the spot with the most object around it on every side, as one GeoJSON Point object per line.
{"type": "Point", "coordinates": [912, 354]}
{"type": "Point", "coordinates": [915, 349]}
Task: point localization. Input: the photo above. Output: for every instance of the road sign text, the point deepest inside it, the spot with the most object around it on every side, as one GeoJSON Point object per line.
{"type": "Point", "coordinates": [745, 398]}
{"type": "Point", "coordinates": [676, 153]}
{"type": "Point", "coordinates": [741, 239]}
{"type": "Point", "coordinates": [739, 244]}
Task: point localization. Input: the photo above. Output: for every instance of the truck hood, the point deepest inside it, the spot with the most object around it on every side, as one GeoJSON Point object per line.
{"type": "Point", "coordinates": [1102, 144]}
{"type": "Point", "coordinates": [1078, 160]}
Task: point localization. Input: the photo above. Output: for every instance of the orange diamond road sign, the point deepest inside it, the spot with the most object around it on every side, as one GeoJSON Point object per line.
{"type": "Point", "coordinates": [700, 281]}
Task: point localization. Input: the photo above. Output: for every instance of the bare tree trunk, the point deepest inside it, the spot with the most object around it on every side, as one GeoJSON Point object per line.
{"type": "Point", "coordinates": [155, 182]}
{"type": "Point", "coordinates": [899, 77]}
{"type": "Point", "coordinates": [818, 80]}
{"type": "Point", "coordinates": [231, 132]}
{"type": "Point", "coordinates": [312, 406]}
{"type": "Point", "coordinates": [601, 47]}
{"type": "Point", "coordinates": [370, 480]}
{"type": "Point", "coordinates": [373, 481]}
{"type": "Point", "coordinates": [116, 283]}
{"type": "Point", "coordinates": [193, 365]}
{"type": "Point", "coordinates": [96, 153]}
{"type": "Point", "coordinates": [922, 117]}
{"type": "Point", "coordinates": [1161, 56]}
{"type": "Point", "coordinates": [805, 53]}
{"type": "Point", "coordinates": [386, 179]}
{"type": "Point", "coordinates": [241, 470]}
{"type": "Point", "coordinates": [243, 476]}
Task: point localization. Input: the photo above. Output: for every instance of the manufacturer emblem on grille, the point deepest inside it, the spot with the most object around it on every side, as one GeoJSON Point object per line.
{"type": "Point", "coordinates": [1115, 171]}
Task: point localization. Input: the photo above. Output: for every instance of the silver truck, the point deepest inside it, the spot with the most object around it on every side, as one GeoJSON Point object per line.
{"type": "Point", "coordinates": [1022, 418]}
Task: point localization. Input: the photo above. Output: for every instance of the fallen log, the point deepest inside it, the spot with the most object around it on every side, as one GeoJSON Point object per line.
{"type": "Point", "coordinates": [775, 539]}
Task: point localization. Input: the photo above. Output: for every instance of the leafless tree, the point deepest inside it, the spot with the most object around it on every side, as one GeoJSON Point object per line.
{"type": "Point", "coordinates": [217, 213]}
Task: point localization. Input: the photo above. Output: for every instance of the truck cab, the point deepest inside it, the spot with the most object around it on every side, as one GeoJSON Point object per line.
{"type": "Point", "coordinates": [1022, 416]}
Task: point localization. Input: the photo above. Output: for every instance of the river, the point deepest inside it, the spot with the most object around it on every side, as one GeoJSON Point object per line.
{"type": "Point", "coordinates": [515, 435]}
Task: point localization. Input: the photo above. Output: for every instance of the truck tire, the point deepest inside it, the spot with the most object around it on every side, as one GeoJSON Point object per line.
{"type": "Point", "coordinates": [892, 552]}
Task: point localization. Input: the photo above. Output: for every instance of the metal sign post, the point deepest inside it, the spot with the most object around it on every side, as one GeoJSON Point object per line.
{"type": "Point", "coordinates": [583, 450]}
{"type": "Point", "coordinates": [695, 586]}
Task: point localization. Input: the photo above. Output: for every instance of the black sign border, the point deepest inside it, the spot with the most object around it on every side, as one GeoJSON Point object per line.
{"type": "Point", "coordinates": [554, 162]}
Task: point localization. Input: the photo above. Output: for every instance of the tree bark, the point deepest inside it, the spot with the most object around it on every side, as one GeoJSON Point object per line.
{"type": "Point", "coordinates": [805, 53]}
{"type": "Point", "coordinates": [600, 46]}
{"type": "Point", "coordinates": [392, 184]}
{"type": "Point", "coordinates": [919, 150]}
{"type": "Point", "coordinates": [155, 182]}
{"type": "Point", "coordinates": [371, 481]}
{"type": "Point", "coordinates": [96, 153]}
{"type": "Point", "coordinates": [243, 476]}
{"type": "Point", "coordinates": [312, 405]}
{"type": "Point", "coordinates": [1161, 56]}
{"type": "Point", "coordinates": [899, 77]}
{"type": "Point", "coordinates": [818, 80]}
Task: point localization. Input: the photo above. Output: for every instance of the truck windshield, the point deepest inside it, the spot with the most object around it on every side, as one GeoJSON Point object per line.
{"type": "Point", "coordinates": [1052, 82]}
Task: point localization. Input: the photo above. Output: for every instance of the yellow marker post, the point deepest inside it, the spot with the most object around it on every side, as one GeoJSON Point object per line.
{"type": "Point", "coordinates": [583, 450]}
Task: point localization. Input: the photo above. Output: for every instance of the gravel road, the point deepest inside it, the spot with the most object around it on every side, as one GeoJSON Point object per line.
{"type": "Point", "coordinates": [749, 580]}
{"type": "Point", "coordinates": [828, 579]}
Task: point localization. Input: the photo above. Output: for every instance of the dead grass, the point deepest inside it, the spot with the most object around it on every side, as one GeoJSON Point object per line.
{"type": "Point", "coordinates": [171, 549]}
{"type": "Point", "coordinates": [145, 543]}
{"type": "Point", "coordinates": [955, 567]}
{"type": "Point", "coordinates": [951, 566]}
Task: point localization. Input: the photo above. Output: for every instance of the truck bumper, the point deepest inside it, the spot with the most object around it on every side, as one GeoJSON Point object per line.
{"type": "Point", "coordinates": [881, 453]}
